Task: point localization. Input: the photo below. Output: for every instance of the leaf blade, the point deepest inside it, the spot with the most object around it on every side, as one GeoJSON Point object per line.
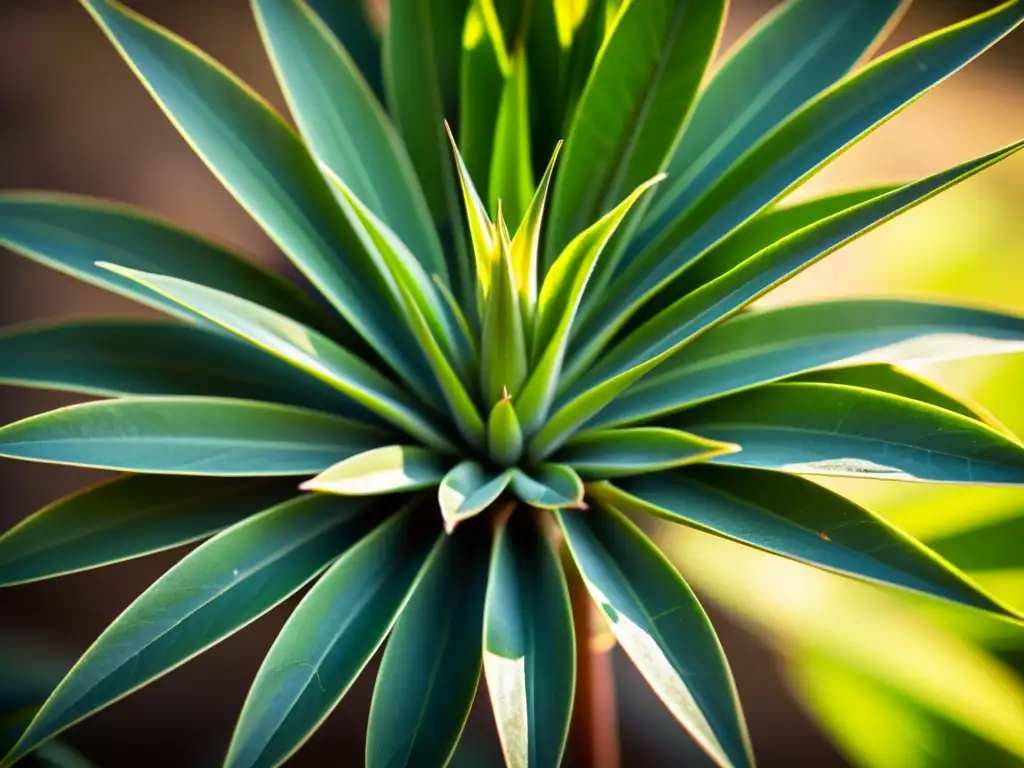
{"type": "Point", "coordinates": [467, 490]}
{"type": "Point", "coordinates": [391, 469]}
{"type": "Point", "coordinates": [599, 454]}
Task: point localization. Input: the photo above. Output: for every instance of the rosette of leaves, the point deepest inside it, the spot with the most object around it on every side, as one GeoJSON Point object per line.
{"type": "Point", "coordinates": [484, 385]}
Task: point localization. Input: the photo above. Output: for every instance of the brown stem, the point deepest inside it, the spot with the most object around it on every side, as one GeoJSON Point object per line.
{"type": "Point", "coordinates": [594, 732]}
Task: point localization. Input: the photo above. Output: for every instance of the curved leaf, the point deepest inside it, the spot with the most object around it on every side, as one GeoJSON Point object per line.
{"type": "Point", "coordinates": [431, 666]}
{"type": "Point", "coordinates": [129, 517]}
{"type": "Point", "coordinates": [328, 640]}
{"type": "Point", "coordinates": [216, 590]}
{"type": "Point", "coordinates": [391, 469]}
{"type": "Point", "coordinates": [526, 247]}
{"type": "Point", "coordinates": [598, 454]}
{"type": "Point", "coordinates": [795, 518]}
{"type": "Point", "coordinates": [264, 164]}
{"type": "Point", "coordinates": [352, 27]}
{"type": "Point", "coordinates": [831, 429]}
{"type": "Point", "coordinates": [529, 645]}
{"type": "Point", "coordinates": [761, 346]}
{"type": "Point", "coordinates": [113, 358]}
{"type": "Point", "coordinates": [549, 486]}
{"type": "Point", "coordinates": [301, 347]}
{"type": "Point", "coordinates": [504, 435]}
{"type": "Point", "coordinates": [71, 234]}
{"type": "Point", "coordinates": [467, 490]}
{"type": "Point", "coordinates": [511, 174]}
{"type": "Point", "coordinates": [344, 125]}
{"type": "Point", "coordinates": [662, 627]}
{"type": "Point", "coordinates": [771, 73]}
{"type": "Point", "coordinates": [504, 361]}
{"type": "Point", "coordinates": [633, 109]}
{"type": "Point", "coordinates": [189, 436]}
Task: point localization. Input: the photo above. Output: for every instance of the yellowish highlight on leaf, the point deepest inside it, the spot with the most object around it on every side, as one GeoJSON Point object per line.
{"type": "Point", "coordinates": [506, 681]}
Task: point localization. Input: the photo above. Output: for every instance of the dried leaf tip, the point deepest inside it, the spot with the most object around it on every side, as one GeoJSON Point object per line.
{"type": "Point", "coordinates": [505, 396]}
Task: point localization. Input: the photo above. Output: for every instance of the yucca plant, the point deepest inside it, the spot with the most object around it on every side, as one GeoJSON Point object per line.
{"type": "Point", "coordinates": [450, 447]}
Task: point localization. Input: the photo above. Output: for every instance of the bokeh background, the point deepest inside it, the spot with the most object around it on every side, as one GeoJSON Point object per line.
{"type": "Point", "coordinates": [830, 673]}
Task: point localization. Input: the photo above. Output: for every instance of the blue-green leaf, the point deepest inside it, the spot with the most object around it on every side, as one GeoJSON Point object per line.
{"type": "Point", "coordinates": [350, 24]}
{"type": "Point", "coordinates": [599, 454]}
{"type": "Point", "coordinates": [549, 486]}
{"type": "Point", "coordinates": [220, 587]}
{"type": "Point", "coordinates": [529, 645]}
{"type": "Point", "coordinates": [391, 469]}
{"type": "Point", "coordinates": [431, 666]}
{"type": "Point", "coordinates": [662, 627]}
{"type": "Point", "coordinates": [189, 436]}
{"type": "Point", "coordinates": [71, 234]}
{"type": "Point", "coordinates": [345, 126]}
{"type": "Point", "coordinates": [831, 429]}
{"type": "Point", "coordinates": [129, 517]}
{"type": "Point", "coordinates": [795, 518]}
{"type": "Point", "coordinates": [329, 639]}
{"type": "Point", "coordinates": [468, 490]}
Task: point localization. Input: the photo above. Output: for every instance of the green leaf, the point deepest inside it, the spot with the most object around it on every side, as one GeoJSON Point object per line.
{"type": "Point", "coordinates": [431, 666]}
{"type": "Point", "coordinates": [526, 247]}
{"type": "Point", "coordinates": [467, 490]}
{"type": "Point", "coordinates": [71, 234]}
{"type": "Point", "coordinates": [511, 173]}
{"type": "Point", "coordinates": [769, 75]}
{"type": "Point", "coordinates": [344, 125]}
{"type": "Point", "coordinates": [504, 364]}
{"type": "Point", "coordinates": [264, 164]}
{"type": "Point", "coordinates": [329, 639]}
{"type": "Point", "coordinates": [598, 454]}
{"type": "Point", "coordinates": [795, 518]}
{"type": "Point", "coordinates": [560, 298]}
{"type": "Point", "coordinates": [761, 346]}
{"type": "Point", "coordinates": [549, 486]}
{"type": "Point", "coordinates": [892, 380]}
{"type": "Point", "coordinates": [303, 348]}
{"type": "Point", "coordinates": [216, 590]}
{"type": "Point", "coordinates": [391, 469]}
{"type": "Point", "coordinates": [480, 88]}
{"type": "Point", "coordinates": [662, 627]}
{"type": "Point", "coordinates": [421, 78]}
{"type": "Point", "coordinates": [126, 518]}
{"type": "Point", "coordinates": [529, 646]}
{"type": "Point", "coordinates": [482, 233]}
{"type": "Point", "coordinates": [633, 109]}
{"type": "Point", "coordinates": [831, 429]}
{"type": "Point", "coordinates": [189, 436]}
{"type": "Point", "coordinates": [799, 146]}
{"type": "Point", "coordinates": [113, 358]}
{"type": "Point", "coordinates": [349, 23]}
{"type": "Point", "coordinates": [504, 435]}
{"type": "Point", "coordinates": [658, 339]}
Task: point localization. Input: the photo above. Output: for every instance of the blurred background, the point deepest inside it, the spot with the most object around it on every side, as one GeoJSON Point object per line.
{"type": "Point", "coordinates": [831, 673]}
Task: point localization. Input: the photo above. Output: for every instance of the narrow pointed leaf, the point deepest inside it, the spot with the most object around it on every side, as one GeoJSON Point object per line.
{"type": "Point", "coordinates": [761, 346]}
{"type": "Point", "coordinates": [391, 469]}
{"type": "Point", "coordinates": [897, 381]}
{"type": "Point", "coordinates": [599, 454]}
{"type": "Point", "coordinates": [504, 360]}
{"type": "Point", "coordinates": [482, 233]}
{"type": "Point", "coordinates": [113, 358]}
{"type": "Point", "coordinates": [526, 247]}
{"type": "Point", "coordinates": [549, 486]}
{"type": "Point", "coordinates": [350, 24]}
{"type": "Point", "coordinates": [431, 666]}
{"type": "Point", "coordinates": [480, 86]}
{"type": "Point", "coordinates": [264, 164]}
{"type": "Point", "coordinates": [467, 491]}
{"type": "Point", "coordinates": [421, 79]}
{"type": "Point", "coordinates": [529, 646]}
{"type": "Point", "coordinates": [633, 109]}
{"type": "Point", "coordinates": [770, 74]}
{"type": "Point", "coordinates": [126, 518]}
{"type": "Point", "coordinates": [344, 125]}
{"type": "Point", "coordinates": [662, 627]}
{"type": "Point", "coordinates": [303, 348]}
{"type": "Point", "coordinates": [511, 174]}
{"type": "Point", "coordinates": [837, 430]}
{"type": "Point", "coordinates": [798, 147]}
{"type": "Point", "coordinates": [71, 234]}
{"type": "Point", "coordinates": [658, 339]}
{"type": "Point", "coordinates": [504, 435]}
{"type": "Point", "coordinates": [189, 436]}
{"type": "Point", "coordinates": [795, 518]}
{"type": "Point", "coordinates": [559, 300]}
{"type": "Point", "coordinates": [216, 590]}
{"type": "Point", "coordinates": [329, 639]}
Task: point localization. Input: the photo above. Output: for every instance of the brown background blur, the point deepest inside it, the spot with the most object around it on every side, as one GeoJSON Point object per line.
{"type": "Point", "coordinates": [73, 118]}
